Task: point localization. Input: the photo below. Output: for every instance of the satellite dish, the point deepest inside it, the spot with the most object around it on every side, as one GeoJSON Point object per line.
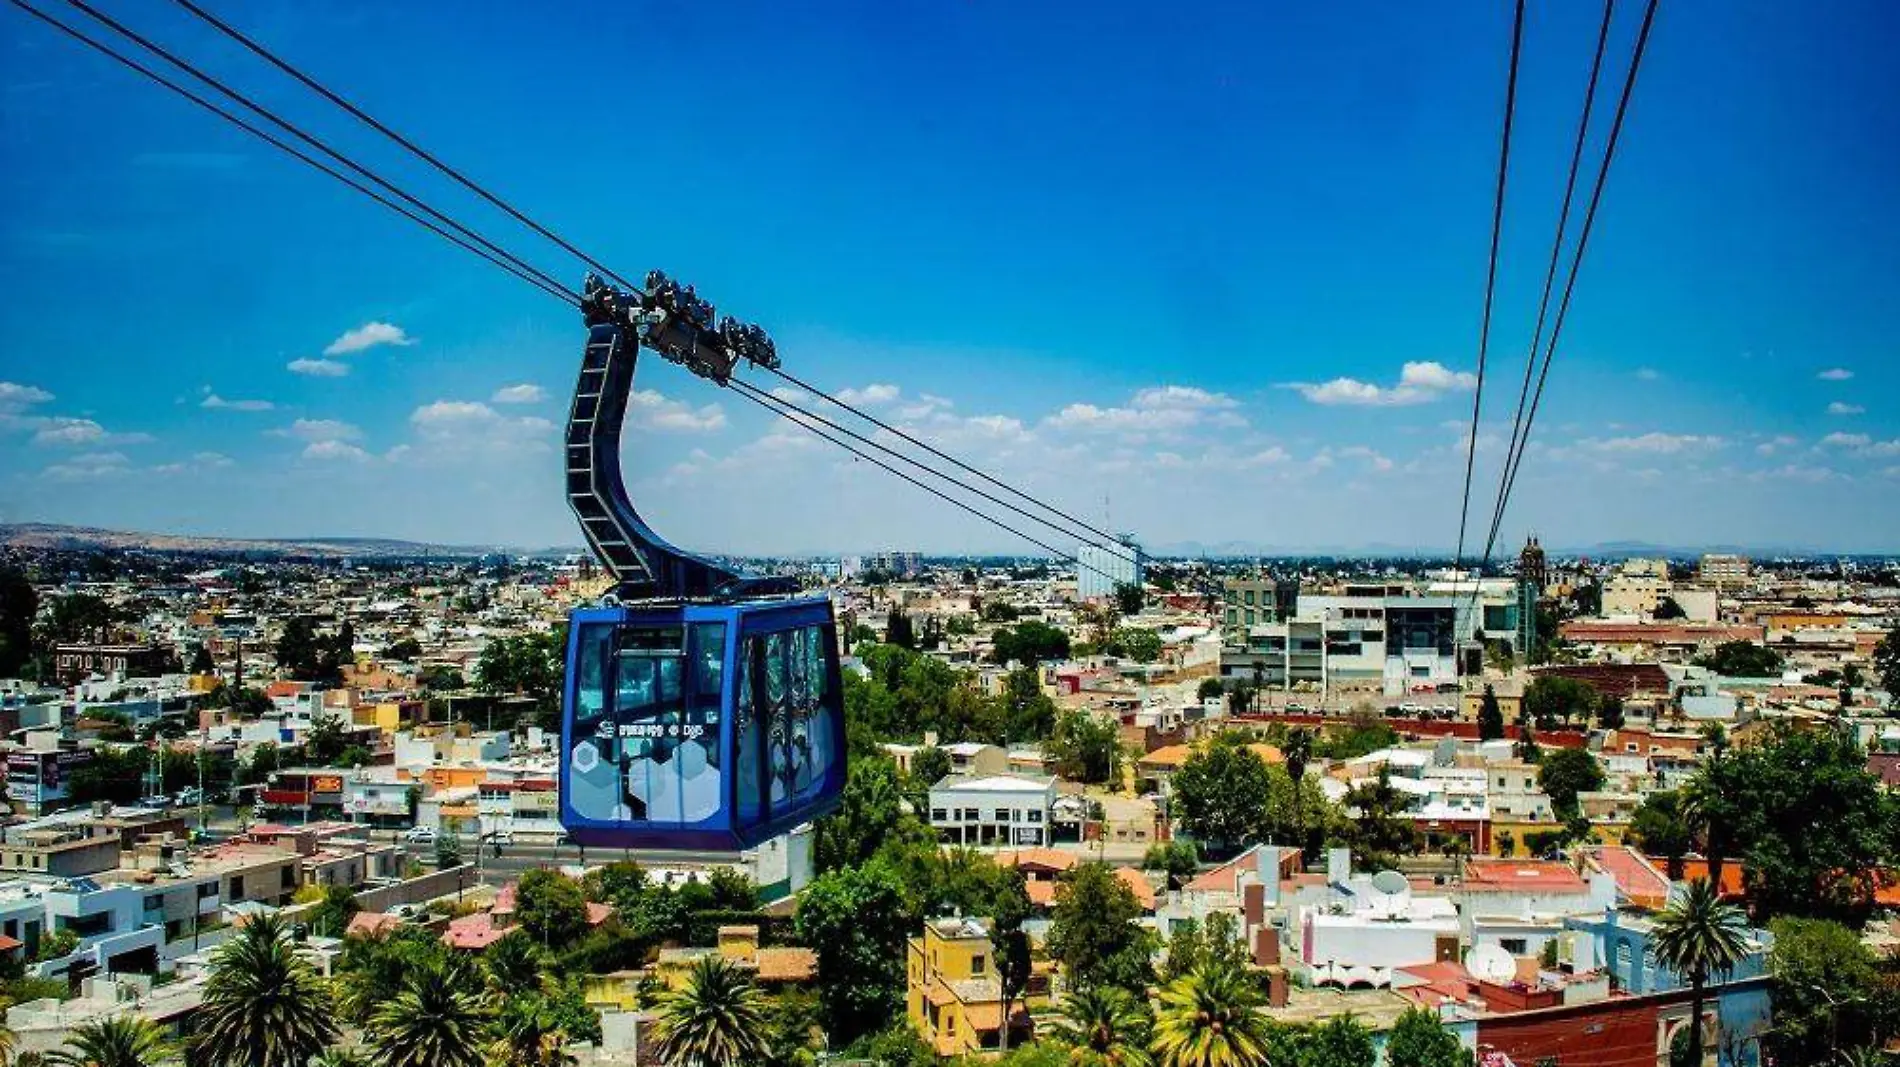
{"type": "Point", "coordinates": [1491, 964]}
{"type": "Point", "coordinates": [1388, 895]}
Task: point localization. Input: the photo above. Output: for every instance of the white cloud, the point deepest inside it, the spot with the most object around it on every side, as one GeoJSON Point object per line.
{"type": "Point", "coordinates": [519, 394]}
{"type": "Point", "coordinates": [1799, 472]}
{"type": "Point", "coordinates": [1420, 382]}
{"type": "Point", "coordinates": [1835, 374]}
{"type": "Point", "coordinates": [1183, 396]}
{"type": "Point", "coordinates": [199, 462]}
{"type": "Point", "coordinates": [368, 335]}
{"type": "Point", "coordinates": [335, 450]}
{"type": "Point", "coordinates": [313, 430]}
{"type": "Point", "coordinates": [88, 467]}
{"type": "Point", "coordinates": [1776, 444]}
{"type": "Point", "coordinates": [1647, 374]}
{"type": "Point", "coordinates": [649, 410]}
{"type": "Point", "coordinates": [450, 430]}
{"type": "Point", "coordinates": [1374, 459]}
{"type": "Point", "coordinates": [1160, 409]}
{"type": "Point", "coordinates": [1861, 445]}
{"type": "Point", "coordinates": [1839, 408]}
{"type": "Point", "coordinates": [317, 368]}
{"type": "Point", "coordinates": [1655, 443]}
{"type": "Point", "coordinates": [787, 394]}
{"type": "Point", "coordinates": [870, 396]}
{"type": "Point", "coordinates": [14, 396]}
{"type": "Point", "coordinates": [63, 432]}
{"type": "Point", "coordinates": [214, 402]}
{"type": "Point", "coordinates": [1845, 440]}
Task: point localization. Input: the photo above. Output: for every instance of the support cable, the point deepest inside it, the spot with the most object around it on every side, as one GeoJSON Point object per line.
{"type": "Point", "coordinates": [1491, 276]}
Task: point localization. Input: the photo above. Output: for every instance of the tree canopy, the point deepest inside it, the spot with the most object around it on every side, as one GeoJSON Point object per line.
{"type": "Point", "coordinates": [1221, 793]}
{"type": "Point", "coordinates": [1553, 700]}
{"type": "Point", "coordinates": [1095, 931]}
{"type": "Point", "coordinates": [1742, 659]}
{"type": "Point", "coordinates": [1565, 773]}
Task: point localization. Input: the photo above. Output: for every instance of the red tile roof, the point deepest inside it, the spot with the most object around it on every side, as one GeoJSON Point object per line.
{"type": "Point", "coordinates": [474, 932]}
{"type": "Point", "coordinates": [1137, 884]}
{"type": "Point", "coordinates": [371, 924]}
{"type": "Point", "coordinates": [1636, 878]}
{"type": "Point", "coordinates": [1497, 876]}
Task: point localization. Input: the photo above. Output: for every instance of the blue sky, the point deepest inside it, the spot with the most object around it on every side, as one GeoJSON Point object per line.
{"type": "Point", "coordinates": [1216, 276]}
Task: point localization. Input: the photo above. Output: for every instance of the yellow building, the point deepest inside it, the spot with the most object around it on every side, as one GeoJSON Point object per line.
{"type": "Point", "coordinates": [954, 992]}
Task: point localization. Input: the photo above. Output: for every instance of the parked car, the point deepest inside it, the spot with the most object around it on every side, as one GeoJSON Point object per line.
{"type": "Point", "coordinates": [499, 837]}
{"type": "Point", "coordinates": [420, 835]}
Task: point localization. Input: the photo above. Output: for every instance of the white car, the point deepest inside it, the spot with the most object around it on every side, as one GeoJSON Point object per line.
{"type": "Point", "coordinates": [421, 835]}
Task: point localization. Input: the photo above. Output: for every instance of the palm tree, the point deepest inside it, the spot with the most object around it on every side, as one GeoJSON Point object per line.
{"type": "Point", "coordinates": [1210, 1018]}
{"type": "Point", "coordinates": [528, 1034]}
{"type": "Point", "coordinates": [1102, 1026]}
{"type": "Point", "coordinates": [1298, 751]}
{"type": "Point", "coordinates": [263, 1004]}
{"type": "Point", "coordinates": [116, 1041]}
{"type": "Point", "coordinates": [1699, 935]}
{"type": "Point", "coordinates": [435, 1021]}
{"type": "Point", "coordinates": [513, 965]}
{"type": "Point", "coordinates": [337, 1056]}
{"type": "Point", "coordinates": [717, 1019]}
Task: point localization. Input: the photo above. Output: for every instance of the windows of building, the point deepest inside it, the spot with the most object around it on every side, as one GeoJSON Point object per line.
{"type": "Point", "coordinates": [1516, 946]}
{"type": "Point", "coordinates": [976, 964]}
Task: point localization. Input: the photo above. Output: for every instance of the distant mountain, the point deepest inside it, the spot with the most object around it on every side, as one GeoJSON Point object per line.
{"type": "Point", "coordinates": [85, 538]}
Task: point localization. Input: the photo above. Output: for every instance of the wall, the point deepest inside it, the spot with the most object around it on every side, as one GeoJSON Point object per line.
{"type": "Point", "coordinates": [417, 890]}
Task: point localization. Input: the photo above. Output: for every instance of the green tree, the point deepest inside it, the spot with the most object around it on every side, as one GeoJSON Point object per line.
{"type": "Point", "coordinates": [79, 617]}
{"type": "Point", "coordinates": [514, 964]}
{"type": "Point", "coordinates": [404, 650]}
{"type": "Point", "coordinates": [264, 1006]}
{"type": "Point", "coordinates": [114, 1041]}
{"type": "Point", "coordinates": [1029, 642]}
{"type": "Point", "coordinates": [1660, 829]}
{"type": "Point", "coordinates": [1768, 797]}
{"type": "Point", "coordinates": [619, 883]}
{"type": "Point", "coordinates": [1130, 598]}
{"type": "Point", "coordinates": [870, 812]}
{"type": "Point", "coordinates": [298, 650]}
{"type": "Point", "coordinates": [1419, 1039]}
{"type": "Point", "coordinates": [19, 606]}
{"type": "Point", "coordinates": [1829, 992]}
{"type": "Point", "coordinates": [324, 741]}
{"type": "Point", "coordinates": [1221, 793]}
{"type": "Point", "coordinates": [899, 631]}
{"type": "Point", "coordinates": [1094, 923]}
{"type": "Point", "coordinates": [1525, 747]}
{"type": "Point", "coordinates": [550, 908]}
{"type": "Point", "coordinates": [1086, 748]}
{"type": "Point", "coordinates": [1667, 608]}
{"type": "Point", "coordinates": [1490, 716]}
{"type": "Point", "coordinates": [857, 921]}
{"type": "Point", "coordinates": [434, 1021]}
{"type": "Point", "coordinates": [1135, 643]}
{"type": "Point", "coordinates": [1179, 858]}
{"type": "Point", "coordinates": [1217, 942]}
{"type": "Point", "coordinates": [1886, 663]}
{"type": "Point", "coordinates": [1565, 773]}
{"type": "Point", "coordinates": [1381, 832]}
{"type": "Point", "coordinates": [1553, 700]}
{"type": "Point", "coordinates": [1210, 689]}
{"type": "Point", "coordinates": [1610, 712]}
{"type": "Point", "coordinates": [1297, 750]}
{"type": "Point", "coordinates": [527, 1033]}
{"type": "Point", "coordinates": [1699, 936]}
{"type": "Point", "coordinates": [201, 662]}
{"type": "Point", "coordinates": [332, 914]}
{"type": "Point", "coordinates": [1029, 714]}
{"type": "Point", "coordinates": [1102, 1026]}
{"type": "Point", "coordinates": [1210, 1018]}
{"type": "Point", "coordinates": [1742, 659]}
{"type": "Point", "coordinates": [928, 766]}
{"type": "Point", "coordinates": [1341, 1041]}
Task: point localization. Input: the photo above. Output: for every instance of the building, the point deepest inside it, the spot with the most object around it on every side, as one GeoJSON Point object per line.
{"type": "Point", "coordinates": [1101, 568]}
{"type": "Point", "coordinates": [1249, 602]}
{"type": "Point", "coordinates": [1723, 571]}
{"type": "Point", "coordinates": [1636, 589]}
{"type": "Point", "coordinates": [1532, 565]}
{"type": "Point", "coordinates": [74, 663]}
{"type": "Point", "coordinates": [997, 809]}
{"type": "Point", "coordinates": [954, 990]}
{"type": "Point", "coordinates": [1372, 639]}
{"type": "Point", "coordinates": [38, 779]}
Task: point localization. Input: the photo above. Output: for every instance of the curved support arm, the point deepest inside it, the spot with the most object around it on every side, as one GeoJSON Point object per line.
{"type": "Point", "coordinates": [679, 326]}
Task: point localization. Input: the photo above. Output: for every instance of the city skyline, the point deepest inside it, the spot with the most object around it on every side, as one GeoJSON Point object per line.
{"type": "Point", "coordinates": [1205, 287]}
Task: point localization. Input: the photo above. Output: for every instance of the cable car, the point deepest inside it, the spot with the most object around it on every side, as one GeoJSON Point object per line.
{"type": "Point", "coordinates": [702, 709]}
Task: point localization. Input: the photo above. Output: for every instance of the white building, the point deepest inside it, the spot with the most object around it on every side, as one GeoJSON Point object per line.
{"type": "Point", "coordinates": [1373, 927]}
{"type": "Point", "coordinates": [997, 809]}
{"type": "Point", "coordinates": [1100, 568]}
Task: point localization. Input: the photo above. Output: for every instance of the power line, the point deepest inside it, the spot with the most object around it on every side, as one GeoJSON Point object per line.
{"type": "Point", "coordinates": [1514, 463]}
{"type": "Point", "coordinates": [307, 138]}
{"type": "Point", "coordinates": [772, 403]}
{"type": "Point", "coordinates": [1491, 275]}
{"type": "Point", "coordinates": [882, 425]}
{"type": "Point", "coordinates": [269, 57]}
{"type": "Point", "coordinates": [887, 450]}
{"type": "Point", "coordinates": [499, 256]}
{"type": "Point", "coordinates": [1556, 254]}
{"type": "Point", "coordinates": [288, 149]}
